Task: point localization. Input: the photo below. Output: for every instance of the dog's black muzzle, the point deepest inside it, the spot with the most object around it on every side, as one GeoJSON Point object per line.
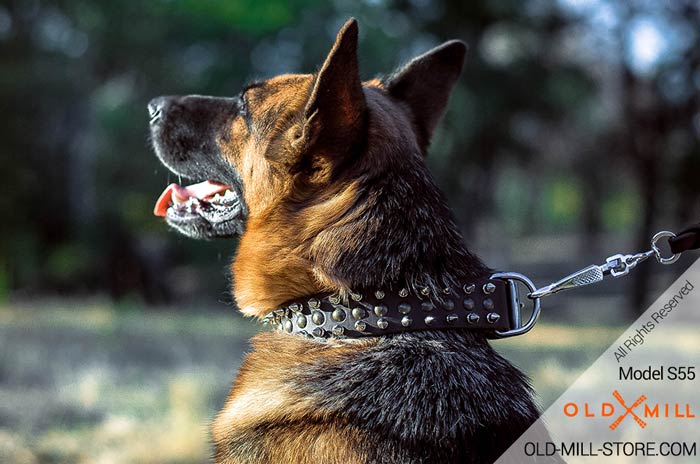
{"type": "Point", "coordinates": [185, 131]}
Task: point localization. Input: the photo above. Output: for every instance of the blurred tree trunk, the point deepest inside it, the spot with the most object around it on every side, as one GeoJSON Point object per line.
{"type": "Point", "coordinates": [640, 146]}
{"type": "Point", "coordinates": [594, 191]}
{"type": "Point", "coordinates": [686, 176]}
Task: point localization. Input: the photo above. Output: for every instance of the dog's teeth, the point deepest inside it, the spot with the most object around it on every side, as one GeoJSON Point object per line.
{"type": "Point", "coordinates": [228, 194]}
{"type": "Point", "coordinates": [217, 197]}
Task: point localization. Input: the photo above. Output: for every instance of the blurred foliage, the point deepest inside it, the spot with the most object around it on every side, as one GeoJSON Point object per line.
{"type": "Point", "coordinates": [570, 117]}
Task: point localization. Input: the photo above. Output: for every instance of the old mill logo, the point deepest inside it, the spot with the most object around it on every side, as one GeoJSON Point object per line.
{"type": "Point", "coordinates": [638, 411]}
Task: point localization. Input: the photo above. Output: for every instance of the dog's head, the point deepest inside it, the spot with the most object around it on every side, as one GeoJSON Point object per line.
{"type": "Point", "coordinates": [294, 154]}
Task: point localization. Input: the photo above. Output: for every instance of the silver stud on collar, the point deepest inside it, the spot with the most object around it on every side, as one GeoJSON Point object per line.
{"type": "Point", "coordinates": [381, 310]}
{"type": "Point", "coordinates": [295, 307]}
{"type": "Point", "coordinates": [403, 293]}
{"type": "Point", "coordinates": [314, 303]}
{"type": "Point", "coordinates": [449, 305]}
{"type": "Point", "coordinates": [338, 315]}
{"type": "Point", "coordinates": [447, 290]}
{"type": "Point", "coordinates": [360, 326]}
{"type": "Point", "coordinates": [427, 306]}
{"type": "Point", "coordinates": [488, 304]}
{"type": "Point", "coordinates": [379, 294]}
{"type": "Point", "coordinates": [429, 320]}
{"type": "Point", "coordinates": [451, 318]}
{"type": "Point", "coordinates": [318, 332]}
{"type": "Point", "coordinates": [468, 303]}
{"type": "Point", "coordinates": [382, 323]}
{"type": "Point", "coordinates": [356, 296]}
{"type": "Point", "coordinates": [301, 321]}
{"type": "Point", "coordinates": [406, 321]}
{"type": "Point", "coordinates": [318, 318]}
{"type": "Point", "coordinates": [288, 326]}
{"type": "Point", "coordinates": [404, 308]}
{"type": "Point", "coordinates": [492, 318]}
{"type": "Point", "coordinates": [489, 288]}
{"type": "Point", "coordinates": [359, 313]}
{"type": "Point", "coordinates": [425, 291]}
{"type": "Point", "coordinates": [338, 330]}
{"type": "Point", "coordinates": [472, 318]}
{"type": "Point", "coordinates": [334, 299]}
{"type": "Point", "coordinates": [469, 288]}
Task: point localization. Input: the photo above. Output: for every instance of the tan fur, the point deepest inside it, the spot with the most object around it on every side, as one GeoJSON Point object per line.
{"type": "Point", "coordinates": [260, 395]}
{"type": "Point", "coordinates": [268, 270]}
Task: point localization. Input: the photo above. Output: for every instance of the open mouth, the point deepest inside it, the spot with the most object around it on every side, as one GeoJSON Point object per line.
{"type": "Point", "coordinates": [202, 210]}
{"type": "Point", "coordinates": [184, 133]}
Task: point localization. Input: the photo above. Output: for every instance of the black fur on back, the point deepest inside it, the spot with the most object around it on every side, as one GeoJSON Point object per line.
{"type": "Point", "coordinates": [426, 397]}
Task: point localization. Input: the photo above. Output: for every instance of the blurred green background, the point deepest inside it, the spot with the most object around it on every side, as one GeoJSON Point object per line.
{"type": "Point", "coordinates": [573, 134]}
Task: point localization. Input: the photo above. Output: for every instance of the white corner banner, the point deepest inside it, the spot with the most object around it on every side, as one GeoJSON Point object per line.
{"type": "Point", "coordinates": [639, 402]}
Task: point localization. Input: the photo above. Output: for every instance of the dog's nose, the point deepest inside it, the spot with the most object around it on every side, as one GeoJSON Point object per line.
{"type": "Point", "coordinates": [155, 109]}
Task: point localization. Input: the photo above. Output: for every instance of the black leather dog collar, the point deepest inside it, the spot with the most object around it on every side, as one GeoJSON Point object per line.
{"type": "Point", "coordinates": [483, 305]}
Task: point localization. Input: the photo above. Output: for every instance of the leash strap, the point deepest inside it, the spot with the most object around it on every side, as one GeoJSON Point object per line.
{"type": "Point", "coordinates": [686, 239]}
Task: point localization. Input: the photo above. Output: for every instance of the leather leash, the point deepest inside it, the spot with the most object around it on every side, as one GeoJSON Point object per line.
{"type": "Point", "coordinates": [686, 239]}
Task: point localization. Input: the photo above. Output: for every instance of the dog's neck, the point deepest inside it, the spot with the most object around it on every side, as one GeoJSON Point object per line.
{"type": "Point", "coordinates": [394, 234]}
{"type": "Point", "coordinates": [403, 235]}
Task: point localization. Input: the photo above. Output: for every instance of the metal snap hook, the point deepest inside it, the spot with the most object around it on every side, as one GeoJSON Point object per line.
{"type": "Point", "coordinates": [657, 252]}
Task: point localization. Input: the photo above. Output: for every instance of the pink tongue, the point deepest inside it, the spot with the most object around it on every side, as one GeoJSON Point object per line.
{"type": "Point", "coordinates": [174, 193]}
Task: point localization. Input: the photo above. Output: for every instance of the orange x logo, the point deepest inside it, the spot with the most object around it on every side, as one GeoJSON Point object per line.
{"type": "Point", "coordinates": [628, 410]}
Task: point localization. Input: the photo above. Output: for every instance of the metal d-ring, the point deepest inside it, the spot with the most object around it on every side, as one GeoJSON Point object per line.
{"type": "Point", "coordinates": [657, 252]}
{"type": "Point", "coordinates": [518, 328]}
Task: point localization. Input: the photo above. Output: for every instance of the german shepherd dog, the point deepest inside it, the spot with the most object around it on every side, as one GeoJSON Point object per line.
{"type": "Point", "coordinates": [324, 179]}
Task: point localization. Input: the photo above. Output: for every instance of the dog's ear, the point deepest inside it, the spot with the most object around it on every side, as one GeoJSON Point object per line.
{"type": "Point", "coordinates": [425, 83]}
{"type": "Point", "coordinates": [336, 107]}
